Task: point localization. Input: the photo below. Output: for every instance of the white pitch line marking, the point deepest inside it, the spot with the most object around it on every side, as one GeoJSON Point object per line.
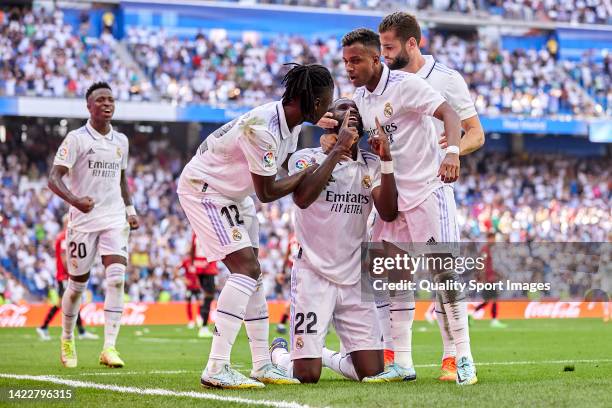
{"type": "Point", "coordinates": [152, 391]}
{"type": "Point", "coordinates": [492, 363]}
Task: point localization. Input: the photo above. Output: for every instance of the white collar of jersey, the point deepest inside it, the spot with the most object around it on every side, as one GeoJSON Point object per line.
{"type": "Point", "coordinates": [360, 158]}
{"type": "Point", "coordinates": [382, 84]}
{"type": "Point", "coordinates": [426, 69]}
{"type": "Point", "coordinates": [282, 121]}
{"type": "Point", "coordinates": [97, 135]}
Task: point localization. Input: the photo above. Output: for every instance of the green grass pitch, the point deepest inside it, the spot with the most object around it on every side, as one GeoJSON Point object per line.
{"type": "Point", "coordinates": [523, 365]}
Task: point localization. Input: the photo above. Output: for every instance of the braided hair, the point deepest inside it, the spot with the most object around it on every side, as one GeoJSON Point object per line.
{"type": "Point", "coordinates": [307, 82]}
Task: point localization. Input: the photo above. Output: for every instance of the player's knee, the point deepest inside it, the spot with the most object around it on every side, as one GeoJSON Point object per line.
{"type": "Point", "coordinates": [369, 370]}
{"type": "Point", "coordinates": [252, 270]}
{"type": "Point", "coordinates": [308, 374]}
{"type": "Point", "coordinates": [77, 287]}
{"type": "Point", "coordinates": [115, 275]}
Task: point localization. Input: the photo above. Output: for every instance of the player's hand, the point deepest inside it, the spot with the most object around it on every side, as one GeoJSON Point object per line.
{"type": "Point", "coordinates": [311, 168]}
{"type": "Point", "coordinates": [84, 204]}
{"type": "Point", "coordinates": [347, 135]}
{"type": "Point", "coordinates": [327, 121]}
{"type": "Point", "coordinates": [328, 141]}
{"type": "Point", "coordinates": [449, 169]}
{"type": "Point", "coordinates": [443, 141]}
{"type": "Point", "coordinates": [133, 221]}
{"type": "Point", "coordinates": [379, 143]}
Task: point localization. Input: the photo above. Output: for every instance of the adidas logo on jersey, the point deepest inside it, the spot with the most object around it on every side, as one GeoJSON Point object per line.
{"type": "Point", "coordinates": [91, 151]}
{"type": "Point", "coordinates": [431, 241]}
{"type": "Point", "coordinates": [216, 332]}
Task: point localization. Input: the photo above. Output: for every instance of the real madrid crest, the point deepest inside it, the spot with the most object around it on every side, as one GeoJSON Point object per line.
{"type": "Point", "coordinates": [119, 151]}
{"type": "Point", "coordinates": [367, 181]}
{"type": "Point", "coordinates": [299, 343]}
{"type": "Point", "coordinates": [388, 110]}
{"type": "Point", "coordinates": [236, 235]}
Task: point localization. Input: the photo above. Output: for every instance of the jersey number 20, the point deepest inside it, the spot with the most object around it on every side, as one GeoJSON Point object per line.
{"type": "Point", "coordinates": [79, 250]}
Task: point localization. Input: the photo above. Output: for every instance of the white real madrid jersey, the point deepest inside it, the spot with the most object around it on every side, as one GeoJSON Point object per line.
{"type": "Point", "coordinates": [453, 88]}
{"type": "Point", "coordinates": [330, 231]}
{"type": "Point", "coordinates": [257, 142]}
{"type": "Point", "coordinates": [404, 104]}
{"type": "Point", "coordinates": [95, 162]}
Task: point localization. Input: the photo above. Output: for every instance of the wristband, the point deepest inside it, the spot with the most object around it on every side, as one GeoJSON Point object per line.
{"type": "Point", "coordinates": [386, 167]}
{"type": "Point", "coordinates": [452, 149]}
{"type": "Point", "coordinates": [130, 210]}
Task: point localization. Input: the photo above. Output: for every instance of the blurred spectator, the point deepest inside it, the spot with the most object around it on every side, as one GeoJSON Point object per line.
{"type": "Point", "coordinates": [41, 56]}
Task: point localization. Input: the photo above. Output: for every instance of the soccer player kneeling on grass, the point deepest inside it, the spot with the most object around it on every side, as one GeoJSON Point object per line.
{"type": "Point", "coordinates": [334, 203]}
{"type": "Point", "coordinates": [239, 159]}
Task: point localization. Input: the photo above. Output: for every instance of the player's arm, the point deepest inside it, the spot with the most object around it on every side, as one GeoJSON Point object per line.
{"type": "Point", "coordinates": [418, 96]}
{"type": "Point", "coordinates": [314, 182]}
{"type": "Point", "coordinates": [127, 200]}
{"type": "Point", "coordinates": [57, 185]}
{"type": "Point", "coordinates": [449, 169]}
{"type": "Point", "coordinates": [462, 103]}
{"type": "Point", "coordinates": [269, 189]}
{"type": "Point", "coordinates": [474, 136]}
{"type": "Point", "coordinates": [385, 193]}
{"type": "Point", "coordinates": [64, 160]}
{"type": "Point", "coordinates": [259, 148]}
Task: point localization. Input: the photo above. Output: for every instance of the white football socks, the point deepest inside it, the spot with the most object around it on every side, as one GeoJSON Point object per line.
{"type": "Point", "coordinates": [402, 317]}
{"type": "Point", "coordinates": [341, 364]}
{"type": "Point", "coordinates": [257, 326]}
{"type": "Point", "coordinates": [384, 320]}
{"type": "Point", "coordinates": [456, 313]}
{"type": "Point", "coordinates": [113, 303]}
{"type": "Point", "coordinates": [71, 302]}
{"type": "Point", "coordinates": [448, 343]}
{"type": "Point", "coordinates": [282, 358]}
{"type": "Point", "coordinates": [231, 309]}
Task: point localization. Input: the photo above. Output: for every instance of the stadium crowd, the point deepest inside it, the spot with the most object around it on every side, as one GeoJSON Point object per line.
{"type": "Point", "coordinates": [41, 55]}
{"type": "Point", "coordinates": [523, 82]}
{"type": "Point", "coordinates": [571, 11]}
{"type": "Point", "coordinates": [530, 198]}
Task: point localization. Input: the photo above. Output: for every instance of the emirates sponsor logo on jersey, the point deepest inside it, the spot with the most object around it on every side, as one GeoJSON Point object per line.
{"type": "Point", "coordinates": [133, 314]}
{"type": "Point", "coordinates": [102, 168]}
{"type": "Point", "coordinates": [389, 129]}
{"type": "Point", "coordinates": [13, 315]}
{"type": "Point", "coordinates": [347, 203]}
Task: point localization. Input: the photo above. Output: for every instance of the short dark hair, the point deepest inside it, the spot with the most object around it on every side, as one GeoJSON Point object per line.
{"type": "Point", "coordinates": [306, 82]}
{"type": "Point", "coordinates": [363, 36]}
{"type": "Point", "coordinates": [97, 85]}
{"type": "Point", "coordinates": [404, 24]}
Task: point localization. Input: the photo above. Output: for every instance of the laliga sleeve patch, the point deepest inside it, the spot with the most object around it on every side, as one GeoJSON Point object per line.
{"type": "Point", "coordinates": [62, 152]}
{"type": "Point", "coordinates": [269, 161]}
{"type": "Point", "coordinates": [301, 164]}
